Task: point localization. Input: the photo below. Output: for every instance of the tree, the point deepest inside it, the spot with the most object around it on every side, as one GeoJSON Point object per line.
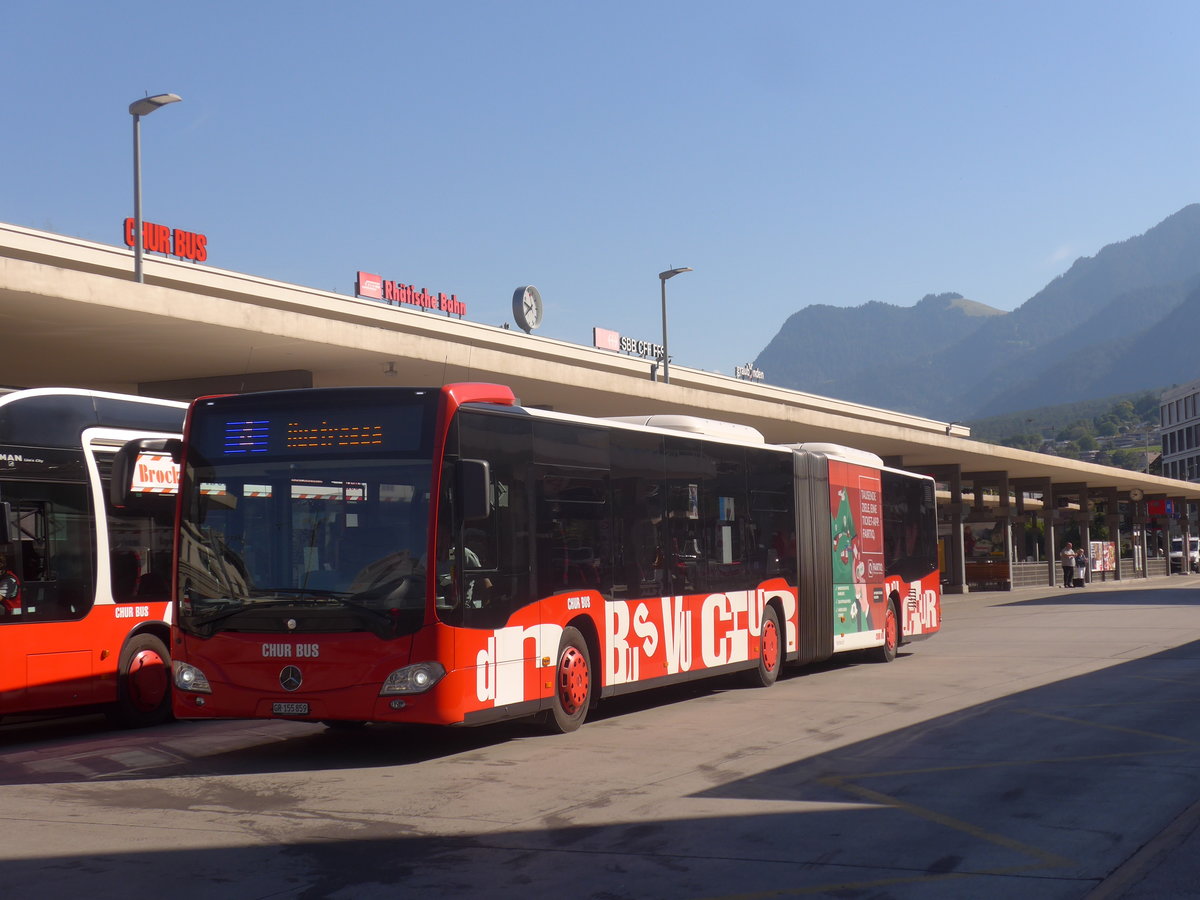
{"type": "Point", "coordinates": [1146, 408]}
{"type": "Point", "coordinates": [1023, 441]}
{"type": "Point", "coordinates": [1127, 459]}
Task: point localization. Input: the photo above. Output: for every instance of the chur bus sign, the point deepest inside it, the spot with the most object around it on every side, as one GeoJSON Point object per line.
{"type": "Point", "coordinates": [171, 241]}
{"type": "Point", "coordinates": [396, 294]}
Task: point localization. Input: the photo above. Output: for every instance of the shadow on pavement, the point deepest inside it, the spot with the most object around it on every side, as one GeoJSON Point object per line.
{"type": "Point", "coordinates": [1105, 595]}
{"type": "Point", "coordinates": [1043, 793]}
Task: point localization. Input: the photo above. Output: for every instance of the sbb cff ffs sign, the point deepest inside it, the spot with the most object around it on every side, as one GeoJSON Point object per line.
{"type": "Point", "coordinates": [172, 241]}
{"type": "Point", "coordinates": [614, 340]}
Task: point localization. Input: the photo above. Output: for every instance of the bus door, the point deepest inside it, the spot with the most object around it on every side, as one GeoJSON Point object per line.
{"type": "Point", "coordinates": [573, 557]}
{"type": "Point", "coordinates": [491, 598]}
{"type": "Point", "coordinates": [573, 527]}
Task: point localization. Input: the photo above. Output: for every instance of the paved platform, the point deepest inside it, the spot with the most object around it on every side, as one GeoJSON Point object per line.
{"type": "Point", "coordinates": [1168, 866]}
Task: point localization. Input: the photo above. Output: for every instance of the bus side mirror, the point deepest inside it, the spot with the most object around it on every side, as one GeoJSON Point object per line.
{"type": "Point", "coordinates": [476, 481]}
{"type": "Point", "coordinates": [145, 465]}
{"type": "Point", "coordinates": [6, 529]}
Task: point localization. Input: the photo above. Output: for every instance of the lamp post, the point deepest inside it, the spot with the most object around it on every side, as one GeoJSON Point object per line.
{"type": "Point", "coordinates": [662, 277]}
{"type": "Point", "coordinates": [137, 109]}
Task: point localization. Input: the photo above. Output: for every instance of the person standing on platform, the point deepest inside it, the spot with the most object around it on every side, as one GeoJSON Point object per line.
{"type": "Point", "coordinates": [1067, 558]}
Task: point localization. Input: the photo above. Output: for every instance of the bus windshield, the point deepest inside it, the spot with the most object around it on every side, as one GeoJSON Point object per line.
{"type": "Point", "coordinates": [323, 519]}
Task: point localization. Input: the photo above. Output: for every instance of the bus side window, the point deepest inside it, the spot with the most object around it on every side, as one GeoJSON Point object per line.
{"type": "Point", "coordinates": [910, 542]}
{"type": "Point", "coordinates": [51, 554]}
{"type": "Point", "coordinates": [31, 532]}
{"type": "Point", "coordinates": [155, 582]}
{"type": "Point", "coordinates": [638, 494]}
{"type": "Point", "coordinates": [772, 508]}
{"type": "Point", "coordinates": [126, 568]}
{"type": "Point", "coordinates": [140, 539]}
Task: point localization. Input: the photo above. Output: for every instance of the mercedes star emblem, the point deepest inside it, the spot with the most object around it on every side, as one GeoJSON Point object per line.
{"type": "Point", "coordinates": [290, 678]}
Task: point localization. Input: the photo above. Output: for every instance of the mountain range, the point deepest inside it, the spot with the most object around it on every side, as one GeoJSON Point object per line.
{"type": "Point", "coordinates": [1124, 320]}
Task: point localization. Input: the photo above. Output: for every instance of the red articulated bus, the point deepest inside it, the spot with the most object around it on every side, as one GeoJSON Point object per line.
{"type": "Point", "coordinates": [84, 585]}
{"type": "Point", "coordinates": [445, 556]}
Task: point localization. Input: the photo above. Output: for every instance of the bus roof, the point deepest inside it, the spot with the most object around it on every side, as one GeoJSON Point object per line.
{"type": "Point", "coordinates": [56, 417]}
{"type": "Point", "coordinates": [696, 425]}
{"type": "Point", "coordinates": [838, 451]}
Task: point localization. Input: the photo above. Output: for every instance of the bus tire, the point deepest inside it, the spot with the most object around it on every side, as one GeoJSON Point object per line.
{"type": "Point", "coordinates": [891, 635]}
{"type": "Point", "coordinates": [143, 683]}
{"type": "Point", "coordinates": [766, 673]}
{"type": "Point", "coordinates": [572, 683]}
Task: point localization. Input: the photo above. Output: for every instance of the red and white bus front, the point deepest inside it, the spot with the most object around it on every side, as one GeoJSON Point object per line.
{"type": "Point", "coordinates": [303, 586]}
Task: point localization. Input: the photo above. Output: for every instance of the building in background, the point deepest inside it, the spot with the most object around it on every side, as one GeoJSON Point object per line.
{"type": "Point", "coordinates": [1179, 421]}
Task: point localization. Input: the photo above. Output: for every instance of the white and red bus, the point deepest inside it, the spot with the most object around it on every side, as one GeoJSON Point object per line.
{"type": "Point", "coordinates": [84, 585]}
{"type": "Point", "coordinates": [572, 559]}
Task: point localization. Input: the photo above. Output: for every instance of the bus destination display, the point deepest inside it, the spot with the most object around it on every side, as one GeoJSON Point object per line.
{"type": "Point", "coordinates": [254, 436]}
{"type": "Point", "coordinates": [262, 433]}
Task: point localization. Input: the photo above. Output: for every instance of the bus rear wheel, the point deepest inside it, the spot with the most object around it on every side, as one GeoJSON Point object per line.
{"type": "Point", "coordinates": [143, 683]}
{"type": "Point", "coordinates": [766, 672]}
{"type": "Point", "coordinates": [572, 683]}
{"type": "Point", "coordinates": [891, 635]}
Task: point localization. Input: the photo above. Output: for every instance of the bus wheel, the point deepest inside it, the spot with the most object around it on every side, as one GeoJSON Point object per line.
{"type": "Point", "coordinates": [572, 683]}
{"type": "Point", "coordinates": [891, 635]}
{"type": "Point", "coordinates": [767, 671]}
{"type": "Point", "coordinates": [143, 683]}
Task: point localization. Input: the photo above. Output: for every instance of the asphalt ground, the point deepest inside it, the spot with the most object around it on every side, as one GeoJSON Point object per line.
{"type": "Point", "coordinates": [1168, 865]}
{"type": "Point", "coordinates": [1044, 746]}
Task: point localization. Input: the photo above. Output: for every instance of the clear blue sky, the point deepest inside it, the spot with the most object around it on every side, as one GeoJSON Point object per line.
{"type": "Point", "coordinates": [791, 152]}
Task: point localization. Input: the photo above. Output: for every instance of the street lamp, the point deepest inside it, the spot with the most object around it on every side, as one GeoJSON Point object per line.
{"type": "Point", "coordinates": [137, 109]}
{"type": "Point", "coordinates": [662, 277]}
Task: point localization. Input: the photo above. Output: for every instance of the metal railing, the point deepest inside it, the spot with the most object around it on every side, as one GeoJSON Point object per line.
{"type": "Point", "coordinates": [1034, 574]}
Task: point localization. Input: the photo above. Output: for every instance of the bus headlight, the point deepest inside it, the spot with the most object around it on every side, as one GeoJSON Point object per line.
{"type": "Point", "coordinates": [414, 679]}
{"type": "Point", "coordinates": [189, 678]}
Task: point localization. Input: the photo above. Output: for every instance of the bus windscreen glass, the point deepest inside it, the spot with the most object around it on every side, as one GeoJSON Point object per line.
{"type": "Point", "coordinates": [316, 508]}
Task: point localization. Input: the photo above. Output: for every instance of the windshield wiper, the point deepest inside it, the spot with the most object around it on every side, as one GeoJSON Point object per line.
{"type": "Point", "coordinates": [377, 613]}
{"type": "Point", "coordinates": [319, 598]}
{"type": "Point", "coordinates": [333, 598]}
{"type": "Point", "coordinates": [392, 590]}
{"type": "Point", "coordinates": [238, 609]}
{"type": "Point", "coordinates": [313, 593]}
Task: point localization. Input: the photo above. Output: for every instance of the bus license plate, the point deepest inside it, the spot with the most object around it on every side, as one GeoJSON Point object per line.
{"type": "Point", "coordinates": [289, 709]}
